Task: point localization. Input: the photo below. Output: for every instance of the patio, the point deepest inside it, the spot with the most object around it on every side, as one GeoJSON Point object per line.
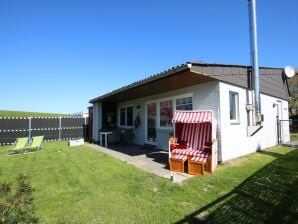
{"type": "Point", "coordinates": [144, 157]}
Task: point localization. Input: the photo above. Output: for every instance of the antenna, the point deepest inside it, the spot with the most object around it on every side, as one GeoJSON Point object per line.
{"type": "Point", "coordinates": [289, 71]}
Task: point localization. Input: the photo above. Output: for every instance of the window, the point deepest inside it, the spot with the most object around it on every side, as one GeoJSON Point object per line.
{"type": "Point", "coordinates": [126, 116]}
{"type": "Point", "coordinates": [151, 122]}
{"type": "Point", "coordinates": [184, 103]}
{"type": "Point", "coordinates": [122, 116]}
{"type": "Point", "coordinates": [129, 116]}
{"type": "Point", "coordinates": [166, 113]}
{"type": "Point", "coordinates": [234, 108]}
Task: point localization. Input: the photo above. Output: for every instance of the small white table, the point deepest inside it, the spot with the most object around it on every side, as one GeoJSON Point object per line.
{"type": "Point", "coordinates": [105, 133]}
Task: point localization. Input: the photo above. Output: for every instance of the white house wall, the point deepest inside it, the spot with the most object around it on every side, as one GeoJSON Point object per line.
{"type": "Point", "coordinates": [205, 97]}
{"type": "Point", "coordinates": [97, 121]}
{"type": "Point", "coordinates": [138, 109]}
{"type": "Point", "coordinates": [234, 139]}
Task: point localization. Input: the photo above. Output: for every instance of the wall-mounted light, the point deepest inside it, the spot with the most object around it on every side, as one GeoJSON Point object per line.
{"type": "Point", "coordinates": [139, 107]}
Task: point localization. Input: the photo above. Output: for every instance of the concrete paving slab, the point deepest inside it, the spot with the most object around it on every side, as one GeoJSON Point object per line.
{"type": "Point", "coordinates": [293, 144]}
{"type": "Point", "coordinates": [142, 160]}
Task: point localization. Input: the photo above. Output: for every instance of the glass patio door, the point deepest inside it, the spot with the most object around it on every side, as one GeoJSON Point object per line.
{"type": "Point", "coordinates": [151, 122]}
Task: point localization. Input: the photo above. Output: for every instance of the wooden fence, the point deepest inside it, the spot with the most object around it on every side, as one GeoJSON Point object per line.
{"type": "Point", "coordinates": [53, 128]}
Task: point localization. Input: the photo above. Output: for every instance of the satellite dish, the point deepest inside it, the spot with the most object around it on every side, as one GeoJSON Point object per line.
{"type": "Point", "coordinates": [289, 71]}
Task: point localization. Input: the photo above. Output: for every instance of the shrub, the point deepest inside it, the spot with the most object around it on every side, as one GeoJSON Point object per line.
{"type": "Point", "coordinates": [17, 206]}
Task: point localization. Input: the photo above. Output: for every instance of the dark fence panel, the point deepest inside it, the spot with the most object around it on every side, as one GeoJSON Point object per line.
{"type": "Point", "coordinates": [49, 134]}
{"type": "Point", "coordinates": [43, 122]}
{"type": "Point", "coordinates": [12, 128]}
{"type": "Point", "coordinates": [294, 126]}
{"type": "Point", "coordinates": [70, 122]}
{"type": "Point", "coordinates": [9, 137]}
{"type": "Point", "coordinates": [52, 128]}
{"type": "Point", "coordinates": [71, 133]}
{"type": "Point", "coordinates": [72, 128]}
{"type": "Point", "coordinates": [14, 123]}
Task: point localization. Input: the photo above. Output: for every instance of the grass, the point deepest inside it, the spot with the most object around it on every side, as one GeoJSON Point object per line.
{"type": "Point", "coordinates": [82, 185]}
{"type": "Point", "coordinates": [294, 137]}
{"type": "Point", "coordinates": [10, 113]}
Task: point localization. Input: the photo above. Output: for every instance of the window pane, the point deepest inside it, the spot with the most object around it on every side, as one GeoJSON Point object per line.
{"type": "Point", "coordinates": [189, 100]}
{"type": "Point", "coordinates": [122, 116]}
{"type": "Point", "coordinates": [166, 113]}
{"type": "Point", "coordinates": [151, 122]}
{"type": "Point", "coordinates": [233, 106]}
{"type": "Point", "coordinates": [184, 103]}
{"type": "Point", "coordinates": [178, 101]}
{"type": "Point", "coordinates": [129, 116]}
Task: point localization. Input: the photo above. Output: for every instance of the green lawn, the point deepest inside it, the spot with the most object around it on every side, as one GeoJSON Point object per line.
{"type": "Point", "coordinates": [294, 136]}
{"type": "Point", "coordinates": [10, 113]}
{"type": "Point", "coordinates": [82, 185]}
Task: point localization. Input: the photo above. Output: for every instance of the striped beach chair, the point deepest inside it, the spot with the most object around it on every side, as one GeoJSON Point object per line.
{"type": "Point", "coordinates": [193, 131]}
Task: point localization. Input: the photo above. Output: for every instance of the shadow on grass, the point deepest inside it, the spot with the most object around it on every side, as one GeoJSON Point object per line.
{"type": "Point", "coordinates": [268, 196]}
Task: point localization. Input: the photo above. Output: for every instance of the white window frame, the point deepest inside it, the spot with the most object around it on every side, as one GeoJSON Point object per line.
{"type": "Point", "coordinates": [125, 107]}
{"type": "Point", "coordinates": [146, 120]}
{"type": "Point", "coordinates": [158, 114]}
{"type": "Point", "coordinates": [183, 96]}
{"type": "Point", "coordinates": [235, 106]}
{"type": "Point", "coordinates": [158, 101]}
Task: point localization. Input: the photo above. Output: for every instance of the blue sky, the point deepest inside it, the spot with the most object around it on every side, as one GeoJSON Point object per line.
{"type": "Point", "coordinates": [56, 55]}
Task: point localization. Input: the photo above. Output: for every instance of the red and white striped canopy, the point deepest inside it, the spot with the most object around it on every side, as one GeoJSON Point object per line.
{"type": "Point", "coordinates": [192, 117]}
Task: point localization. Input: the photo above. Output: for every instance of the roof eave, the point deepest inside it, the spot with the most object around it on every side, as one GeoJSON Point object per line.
{"type": "Point", "coordinates": [152, 78]}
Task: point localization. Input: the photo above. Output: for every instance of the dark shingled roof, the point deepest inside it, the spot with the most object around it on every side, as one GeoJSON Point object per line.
{"type": "Point", "coordinates": [272, 80]}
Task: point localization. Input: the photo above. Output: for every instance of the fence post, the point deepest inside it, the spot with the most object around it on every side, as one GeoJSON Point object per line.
{"type": "Point", "coordinates": [29, 128]}
{"type": "Point", "coordinates": [60, 128]}
{"type": "Point", "coordinates": [85, 128]}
